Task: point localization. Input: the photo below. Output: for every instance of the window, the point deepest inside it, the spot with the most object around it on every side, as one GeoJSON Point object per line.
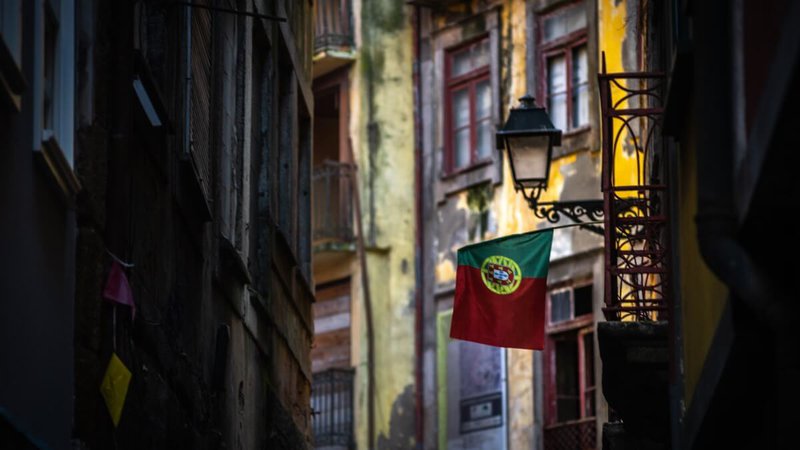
{"type": "Point", "coordinates": [563, 43]}
{"type": "Point", "coordinates": [468, 111]}
{"type": "Point", "coordinates": [332, 408]}
{"type": "Point", "coordinates": [57, 76]}
{"type": "Point", "coordinates": [11, 30]}
{"type": "Point", "coordinates": [574, 364]}
{"type": "Point", "coordinates": [285, 191]}
{"type": "Point", "coordinates": [53, 92]}
{"type": "Point", "coordinates": [11, 80]}
{"type": "Point", "coordinates": [569, 367]}
{"type": "Point", "coordinates": [199, 89]}
{"type": "Point", "coordinates": [570, 304]}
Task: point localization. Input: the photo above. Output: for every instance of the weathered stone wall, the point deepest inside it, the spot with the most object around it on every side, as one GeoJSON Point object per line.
{"type": "Point", "coordinates": [219, 348]}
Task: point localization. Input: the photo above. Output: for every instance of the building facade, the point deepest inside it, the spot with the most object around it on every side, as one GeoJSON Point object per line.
{"type": "Point", "coordinates": [363, 356]}
{"type": "Point", "coordinates": [718, 341]}
{"type": "Point", "coordinates": [170, 144]}
{"type": "Point", "coordinates": [475, 60]}
{"type": "Point", "coordinates": [38, 226]}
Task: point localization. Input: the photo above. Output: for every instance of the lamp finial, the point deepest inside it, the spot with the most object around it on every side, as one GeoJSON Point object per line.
{"type": "Point", "coordinates": [527, 101]}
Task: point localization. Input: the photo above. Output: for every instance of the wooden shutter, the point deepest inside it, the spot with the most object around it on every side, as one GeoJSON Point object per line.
{"type": "Point", "coordinates": [202, 89]}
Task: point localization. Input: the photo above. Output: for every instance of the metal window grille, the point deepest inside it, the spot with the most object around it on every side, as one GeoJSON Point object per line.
{"type": "Point", "coordinates": [332, 408]}
{"type": "Point", "coordinates": [574, 435]}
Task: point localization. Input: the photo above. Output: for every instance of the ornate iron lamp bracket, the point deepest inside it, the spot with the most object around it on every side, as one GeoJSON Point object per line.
{"type": "Point", "coordinates": [578, 211]}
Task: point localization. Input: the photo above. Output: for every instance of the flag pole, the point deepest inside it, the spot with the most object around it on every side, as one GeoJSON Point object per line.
{"type": "Point", "coordinates": [576, 224]}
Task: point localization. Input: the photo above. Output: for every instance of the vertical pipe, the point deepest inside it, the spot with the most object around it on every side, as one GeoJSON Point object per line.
{"type": "Point", "coordinates": [419, 430]}
{"type": "Point", "coordinates": [367, 308]}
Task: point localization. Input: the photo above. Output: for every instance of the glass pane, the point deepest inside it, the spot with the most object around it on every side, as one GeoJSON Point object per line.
{"type": "Point", "coordinates": [468, 59]}
{"type": "Point", "coordinates": [529, 157]}
{"type": "Point", "coordinates": [480, 55]}
{"type": "Point", "coordinates": [10, 23]}
{"type": "Point", "coordinates": [556, 75]}
{"type": "Point", "coordinates": [485, 136]}
{"type": "Point", "coordinates": [461, 148]}
{"type": "Point", "coordinates": [461, 63]}
{"type": "Point", "coordinates": [575, 19]}
{"type": "Point", "coordinates": [564, 22]}
{"type": "Point", "coordinates": [580, 106]}
{"type": "Point", "coordinates": [559, 307]}
{"type": "Point", "coordinates": [567, 395]}
{"type": "Point", "coordinates": [557, 107]}
{"type": "Point", "coordinates": [580, 65]}
{"type": "Point", "coordinates": [557, 91]}
{"type": "Point", "coordinates": [583, 300]}
{"type": "Point", "coordinates": [580, 83]}
{"type": "Point", "coordinates": [553, 28]}
{"type": "Point", "coordinates": [483, 90]}
{"type": "Point", "coordinates": [50, 51]}
{"type": "Point", "coordinates": [460, 108]}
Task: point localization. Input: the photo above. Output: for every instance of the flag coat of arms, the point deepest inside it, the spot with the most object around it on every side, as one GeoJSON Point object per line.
{"type": "Point", "coordinates": [500, 291]}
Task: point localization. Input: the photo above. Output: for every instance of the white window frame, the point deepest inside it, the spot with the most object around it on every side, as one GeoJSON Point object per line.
{"type": "Point", "coordinates": [61, 135]}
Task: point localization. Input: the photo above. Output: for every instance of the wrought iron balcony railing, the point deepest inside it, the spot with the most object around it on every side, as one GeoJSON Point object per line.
{"type": "Point", "coordinates": [636, 226]}
{"type": "Point", "coordinates": [333, 204]}
{"type": "Point", "coordinates": [332, 408]}
{"type": "Point", "coordinates": [573, 435]}
{"type": "Point", "coordinates": [334, 25]}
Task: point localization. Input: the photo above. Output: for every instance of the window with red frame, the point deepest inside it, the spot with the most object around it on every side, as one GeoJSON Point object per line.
{"type": "Point", "coordinates": [468, 110]}
{"type": "Point", "coordinates": [565, 77]}
{"type": "Point", "coordinates": [569, 367]}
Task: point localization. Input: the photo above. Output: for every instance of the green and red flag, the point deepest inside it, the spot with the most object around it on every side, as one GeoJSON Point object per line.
{"type": "Point", "coordinates": [500, 291]}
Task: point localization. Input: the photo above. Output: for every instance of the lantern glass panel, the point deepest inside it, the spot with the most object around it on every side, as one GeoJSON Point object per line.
{"type": "Point", "coordinates": [530, 157]}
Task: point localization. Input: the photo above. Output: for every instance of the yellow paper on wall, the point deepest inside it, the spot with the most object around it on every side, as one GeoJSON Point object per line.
{"type": "Point", "coordinates": [114, 387]}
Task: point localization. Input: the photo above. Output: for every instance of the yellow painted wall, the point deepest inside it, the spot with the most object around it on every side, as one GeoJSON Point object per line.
{"type": "Point", "coordinates": [385, 57]}
{"type": "Point", "coordinates": [514, 216]}
{"type": "Point", "coordinates": [702, 295]}
{"type": "Point", "coordinates": [613, 23]}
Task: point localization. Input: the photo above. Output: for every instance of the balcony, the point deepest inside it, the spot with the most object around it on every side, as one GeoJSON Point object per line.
{"type": "Point", "coordinates": [334, 45]}
{"type": "Point", "coordinates": [332, 409]}
{"type": "Point", "coordinates": [333, 207]}
{"type": "Point", "coordinates": [635, 341]}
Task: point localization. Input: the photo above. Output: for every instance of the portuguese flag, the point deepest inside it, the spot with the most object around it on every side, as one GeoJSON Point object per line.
{"type": "Point", "coordinates": [500, 291]}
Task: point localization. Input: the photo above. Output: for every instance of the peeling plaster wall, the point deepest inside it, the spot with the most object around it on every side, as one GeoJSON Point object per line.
{"type": "Point", "coordinates": [618, 38]}
{"type": "Point", "coordinates": [452, 220]}
{"type": "Point", "coordinates": [382, 133]}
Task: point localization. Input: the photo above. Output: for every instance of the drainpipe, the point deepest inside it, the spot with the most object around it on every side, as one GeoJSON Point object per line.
{"type": "Point", "coordinates": [717, 224]}
{"type": "Point", "coordinates": [419, 432]}
{"type": "Point", "coordinates": [362, 258]}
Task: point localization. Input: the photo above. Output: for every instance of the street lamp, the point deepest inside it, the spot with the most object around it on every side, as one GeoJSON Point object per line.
{"type": "Point", "coordinates": [529, 136]}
